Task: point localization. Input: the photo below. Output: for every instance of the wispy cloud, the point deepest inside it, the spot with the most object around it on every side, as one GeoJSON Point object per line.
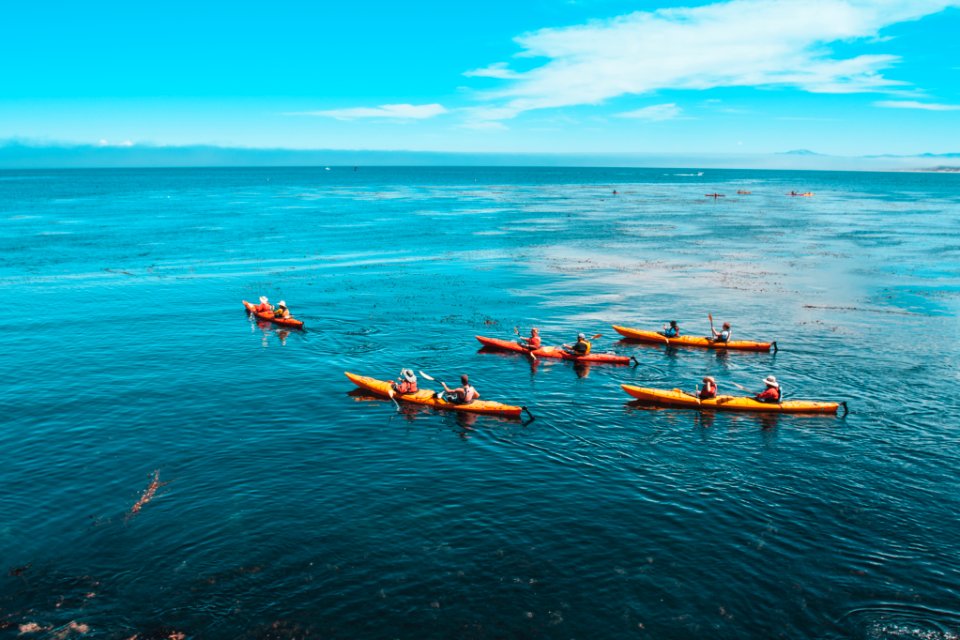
{"type": "Point", "coordinates": [759, 43]}
{"type": "Point", "coordinates": [496, 70]}
{"type": "Point", "coordinates": [913, 104]}
{"type": "Point", "coordinates": [392, 111]}
{"type": "Point", "coordinates": [654, 112]}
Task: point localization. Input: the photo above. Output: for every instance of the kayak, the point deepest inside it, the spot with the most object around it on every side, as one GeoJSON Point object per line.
{"type": "Point", "coordinates": [429, 398]}
{"type": "Point", "coordinates": [678, 398]}
{"type": "Point", "coordinates": [692, 341]}
{"type": "Point", "coordinates": [554, 352]}
{"type": "Point", "coordinates": [268, 316]}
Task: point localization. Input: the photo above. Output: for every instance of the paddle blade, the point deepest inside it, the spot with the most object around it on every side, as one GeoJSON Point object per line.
{"type": "Point", "coordinates": [596, 337]}
{"type": "Point", "coordinates": [427, 376]}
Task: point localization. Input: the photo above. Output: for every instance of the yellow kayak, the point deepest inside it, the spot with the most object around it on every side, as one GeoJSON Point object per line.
{"type": "Point", "coordinates": [427, 397]}
{"type": "Point", "coordinates": [653, 337]}
{"type": "Point", "coordinates": [678, 398]}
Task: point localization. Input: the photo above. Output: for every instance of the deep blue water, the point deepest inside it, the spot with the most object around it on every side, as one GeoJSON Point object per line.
{"type": "Point", "coordinates": [294, 508]}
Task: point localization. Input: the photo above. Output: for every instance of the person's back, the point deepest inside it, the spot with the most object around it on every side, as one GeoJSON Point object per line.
{"type": "Point", "coordinates": [673, 331]}
{"type": "Point", "coordinates": [281, 311]}
{"type": "Point", "coordinates": [264, 306]}
{"type": "Point", "coordinates": [464, 394]}
{"type": "Point", "coordinates": [580, 348]}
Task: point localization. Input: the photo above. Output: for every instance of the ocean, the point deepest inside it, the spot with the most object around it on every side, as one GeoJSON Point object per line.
{"type": "Point", "coordinates": [174, 469]}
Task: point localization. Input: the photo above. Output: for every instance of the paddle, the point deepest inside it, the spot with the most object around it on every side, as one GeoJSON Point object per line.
{"type": "Point", "coordinates": [713, 333]}
{"type": "Point", "coordinates": [391, 393]}
{"type": "Point", "coordinates": [740, 386]}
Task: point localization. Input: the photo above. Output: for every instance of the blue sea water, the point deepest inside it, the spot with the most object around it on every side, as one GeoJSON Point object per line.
{"type": "Point", "coordinates": [289, 506]}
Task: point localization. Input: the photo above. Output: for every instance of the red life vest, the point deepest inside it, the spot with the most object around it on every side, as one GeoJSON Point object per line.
{"type": "Point", "coordinates": [534, 342]}
{"type": "Point", "coordinates": [771, 394]}
{"type": "Point", "coordinates": [709, 391]}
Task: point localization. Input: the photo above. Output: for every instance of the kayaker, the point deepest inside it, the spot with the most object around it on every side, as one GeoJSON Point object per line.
{"type": "Point", "coordinates": [464, 394]}
{"type": "Point", "coordinates": [771, 393]}
{"type": "Point", "coordinates": [281, 311]}
{"type": "Point", "coordinates": [673, 331]}
{"type": "Point", "coordinates": [406, 383]}
{"type": "Point", "coordinates": [580, 348]}
{"type": "Point", "coordinates": [723, 335]}
{"type": "Point", "coordinates": [264, 306]}
{"type": "Point", "coordinates": [709, 389]}
{"type": "Point", "coordinates": [533, 342]}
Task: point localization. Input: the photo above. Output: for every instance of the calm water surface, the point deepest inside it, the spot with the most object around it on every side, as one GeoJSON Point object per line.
{"type": "Point", "coordinates": [290, 506]}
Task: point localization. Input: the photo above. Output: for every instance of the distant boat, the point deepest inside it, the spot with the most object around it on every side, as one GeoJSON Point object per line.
{"type": "Point", "coordinates": [741, 192]}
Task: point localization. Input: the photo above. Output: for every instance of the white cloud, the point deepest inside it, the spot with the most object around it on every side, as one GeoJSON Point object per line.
{"type": "Point", "coordinates": [654, 112]}
{"type": "Point", "coordinates": [734, 43]}
{"type": "Point", "coordinates": [496, 70]}
{"type": "Point", "coordinates": [394, 111]}
{"type": "Point", "coordinates": [913, 104]}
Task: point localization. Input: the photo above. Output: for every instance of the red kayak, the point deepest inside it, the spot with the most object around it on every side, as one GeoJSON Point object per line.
{"type": "Point", "coordinates": [268, 316]}
{"type": "Point", "coordinates": [555, 352]}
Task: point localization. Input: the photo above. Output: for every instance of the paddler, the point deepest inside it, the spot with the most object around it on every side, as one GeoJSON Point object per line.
{"type": "Point", "coordinates": [771, 393]}
{"type": "Point", "coordinates": [673, 331]}
{"type": "Point", "coordinates": [264, 306]}
{"type": "Point", "coordinates": [533, 342]}
{"type": "Point", "coordinates": [464, 394]}
{"type": "Point", "coordinates": [281, 311]}
{"type": "Point", "coordinates": [709, 389]}
{"type": "Point", "coordinates": [580, 348]}
{"type": "Point", "coordinates": [406, 383]}
{"type": "Point", "coordinates": [723, 335]}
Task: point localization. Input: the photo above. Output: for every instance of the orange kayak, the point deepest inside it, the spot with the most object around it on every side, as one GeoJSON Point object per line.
{"type": "Point", "coordinates": [429, 398]}
{"type": "Point", "coordinates": [555, 352]}
{"type": "Point", "coordinates": [652, 337]}
{"type": "Point", "coordinates": [268, 316]}
{"type": "Point", "coordinates": [678, 398]}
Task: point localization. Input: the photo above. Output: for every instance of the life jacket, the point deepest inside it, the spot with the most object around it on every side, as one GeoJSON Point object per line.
{"type": "Point", "coordinates": [724, 336]}
{"type": "Point", "coordinates": [533, 342]}
{"type": "Point", "coordinates": [582, 348]}
{"type": "Point", "coordinates": [405, 387]}
{"type": "Point", "coordinates": [281, 312]}
{"type": "Point", "coordinates": [770, 394]}
{"type": "Point", "coordinates": [672, 332]}
{"type": "Point", "coordinates": [709, 391]}
{"type": "Point", "coordinates": [263, 307]}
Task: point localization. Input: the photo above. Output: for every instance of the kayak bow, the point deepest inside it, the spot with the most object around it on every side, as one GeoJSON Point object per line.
{"type": "Point", "coordinates": [429, 398]}
{"type": "Point", "coordinates": [678, 398]}
{"type": "Point", "coordinates": [554, 352]}
{"type": "Point", "coordinates": [652, 337]}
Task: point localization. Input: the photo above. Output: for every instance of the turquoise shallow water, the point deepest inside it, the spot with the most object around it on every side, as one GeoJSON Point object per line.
{"type": "Point", "coordinates": [292, 507]}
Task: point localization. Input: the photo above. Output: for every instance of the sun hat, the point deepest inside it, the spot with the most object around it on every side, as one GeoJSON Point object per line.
{"type": "Point", "coordinates": [770, 381]}
{"type": "Point", "coordinates": [408, 375]}
{"type": "Point", "coordinates": [281, 304]}
{"type": "Point", "coordinates": [264, 299]}
{"type": "Point", "coordinates": [709, 379]}
{"type": "Point", "coordinates": [580, 336]}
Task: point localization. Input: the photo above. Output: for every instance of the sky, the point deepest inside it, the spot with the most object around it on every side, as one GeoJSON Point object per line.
{"type": "Point", "coordinates": [840, 77]}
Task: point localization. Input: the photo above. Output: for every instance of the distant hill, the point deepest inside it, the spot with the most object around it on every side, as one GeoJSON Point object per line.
{"type": "Point", "coordinates": [17, 154]}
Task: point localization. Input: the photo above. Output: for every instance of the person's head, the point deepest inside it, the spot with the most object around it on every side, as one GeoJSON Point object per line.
{"type": "Point", "coordinates": [709, 379]}
{"type": "Point", "coordinates": [464, 379]}
{"type": "Point", "coordinates": [771, 381]}
{"type": "Point", "coordinates": [264, 299]}
{"type": "Point", "coordinates": [726, 325]}
{"type": "Point", "coordinates": [580, 336]}
{"type": "Point", "coordinates": [407, 374]}
{"type": "Point", "coordinates": [534, 331]}
{"type": "Point", "coordinates": [282, 304]}
{"type": "Point", "coordinates": [673, 323]}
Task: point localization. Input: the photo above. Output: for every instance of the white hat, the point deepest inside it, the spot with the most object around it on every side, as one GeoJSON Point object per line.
{"type": "Point", "coordinates": [408, 375]}
{"type": "Point", "coordinates": [264, 299]}
{"type": "Point", "coordinates": [580, 336]}
{"type": "Point", "coordinates": [770, 381]}
{"type": "Point", "coordinates": [281, 304]}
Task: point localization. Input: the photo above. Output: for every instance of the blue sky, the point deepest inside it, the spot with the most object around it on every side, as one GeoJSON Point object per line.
{"type": "Point", "coordinates": [844, 77]}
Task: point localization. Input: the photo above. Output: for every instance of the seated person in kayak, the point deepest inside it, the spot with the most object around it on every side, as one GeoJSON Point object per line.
{"type": "Point", "coordinates": [723, 335]}
{"type": "Point", "coordinates": [533, 342]}
{"type": "Point", "coordinates": [406, 383]}
{"type": "Point", "coordinates": [771, 393]}
{"type": "Point", "coordinates": [673, 331]}
{"type": "Point", "coordinates": [281, 311]}
{"type": "Point", "coordinates": [709, 389]}
{"type": "Point", "coordinates": [264, 306]}
{"type": "Point", "coordinates": [580, 348]}
{"type": "Point", "coordinates": [464, 394]}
